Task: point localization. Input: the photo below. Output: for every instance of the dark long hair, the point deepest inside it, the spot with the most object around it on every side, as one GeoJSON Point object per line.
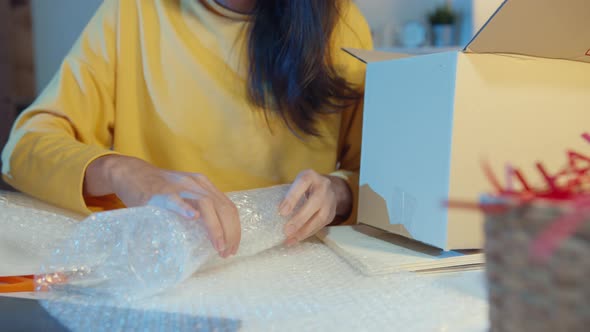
{"type": "Point", "coordinates": [291, 71]}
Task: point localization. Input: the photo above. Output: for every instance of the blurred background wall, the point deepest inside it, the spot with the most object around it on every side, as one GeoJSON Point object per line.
{"type": "Point", "coordinates": [57, 25]}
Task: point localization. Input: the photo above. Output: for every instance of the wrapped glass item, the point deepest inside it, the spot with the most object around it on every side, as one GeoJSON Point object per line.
{"type": "Point", "coordinates": [138, 252]}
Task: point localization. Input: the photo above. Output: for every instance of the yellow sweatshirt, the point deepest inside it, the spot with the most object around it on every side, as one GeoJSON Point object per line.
{"type": "Point", "coordinates": [165, 81]}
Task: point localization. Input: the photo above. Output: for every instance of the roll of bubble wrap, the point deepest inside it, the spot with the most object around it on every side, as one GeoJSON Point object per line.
{"type": "Point", "coordinates": [135, 253]}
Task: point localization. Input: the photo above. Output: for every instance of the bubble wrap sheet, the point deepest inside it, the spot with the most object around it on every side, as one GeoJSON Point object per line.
{"type": "Point", "coordinates": [28, 231]}
{"type": "Point", "coordinates": [306, 287]}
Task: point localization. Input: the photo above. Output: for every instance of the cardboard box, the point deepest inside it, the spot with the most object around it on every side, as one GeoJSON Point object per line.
{"type": "Point", "coordinates": [519, 92]}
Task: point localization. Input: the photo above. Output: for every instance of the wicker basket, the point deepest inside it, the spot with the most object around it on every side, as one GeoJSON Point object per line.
{"type": "Point", "coordinates": [526, 295]}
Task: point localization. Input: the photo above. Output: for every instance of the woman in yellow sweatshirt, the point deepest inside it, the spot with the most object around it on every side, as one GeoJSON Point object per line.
{"type": "Point", "coordinates": [172, 102]}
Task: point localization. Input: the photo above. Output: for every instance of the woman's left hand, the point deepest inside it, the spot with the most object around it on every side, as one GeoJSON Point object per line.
{"type": "Point", "coordinates": [327, 197]}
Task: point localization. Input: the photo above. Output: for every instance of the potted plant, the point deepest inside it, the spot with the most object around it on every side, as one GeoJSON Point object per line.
{"type": "Point", "coordinates": [442, 21]}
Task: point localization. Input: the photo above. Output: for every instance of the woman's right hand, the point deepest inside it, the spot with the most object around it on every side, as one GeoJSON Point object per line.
{"type": "Point", "coordinates": [191, 195]}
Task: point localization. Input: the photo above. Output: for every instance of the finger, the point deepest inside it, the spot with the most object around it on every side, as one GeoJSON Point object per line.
{"type": "Point", "coordinates": [188, 195]}
{"type": "Point", "coordinates": [227, 214]}
{"type": "Point", "coordinates": [175, 204]}
{"type": "Point", "coordinates": [297, 191]}
{"type": "Point", "coordinates": [314, 225]}
{"type": "Point", "coordinates": [225, 211]}
{"type": "Point", "coordinates": [212, 224]}
{"type": "Point", "coordinates": [304, 214]}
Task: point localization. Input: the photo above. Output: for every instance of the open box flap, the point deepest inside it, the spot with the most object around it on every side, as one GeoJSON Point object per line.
{"type": "Point", "coordinates": [367, 56]}
{"type": "Point", "coordinates": [557, 29]}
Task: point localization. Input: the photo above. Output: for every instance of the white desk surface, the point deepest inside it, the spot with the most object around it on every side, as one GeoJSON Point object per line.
{"type": "Point", "coordinates": [304, 288]}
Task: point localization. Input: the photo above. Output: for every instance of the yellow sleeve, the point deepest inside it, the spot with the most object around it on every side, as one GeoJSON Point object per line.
{"type": "Point", "coordinates": [359, 36]}
{"type": "Point", "coordinates": [70, 124]}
